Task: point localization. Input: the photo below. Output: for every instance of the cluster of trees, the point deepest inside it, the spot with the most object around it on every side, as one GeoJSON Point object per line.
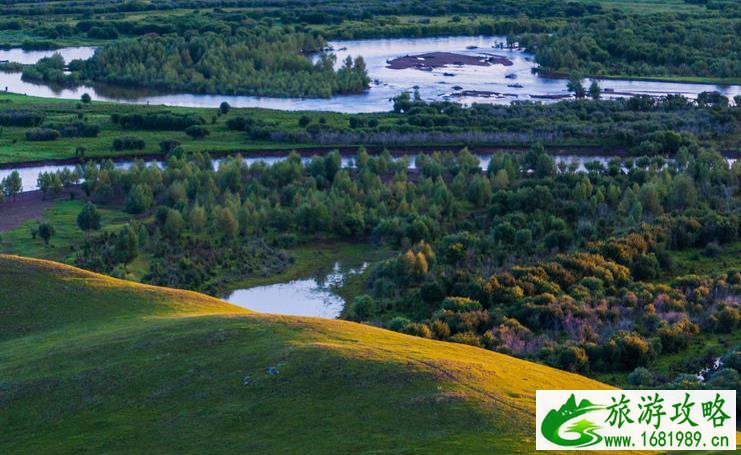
{"type": "Point", "coordinates": [528, 272]}
{"type": "Point", "coordinates": [567, 36]}
{"type": "Point", "coordinates": [704, 44]}
{"type": "Point", "coordinates": [527, 257]}
{"type": "Point", "coordinates": [266, 61]}
{"type": "Point", "coordinates": [50, 70]}
{"type": "Point", "coordinates": [645, 124]}
{"type": "Point", "coordinates": [165, 120]}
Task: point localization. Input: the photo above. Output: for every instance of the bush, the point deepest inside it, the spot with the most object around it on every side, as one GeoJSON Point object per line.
{"type": "Point", "coordinates": [641, 376]}
{"type": "Point", "coordinates": [42, 134]}
{"type": "Point", "coordinates": [712, 249]}
{"type": "Point", "coordinates": [461, 304]}
{"type": "Point", "coordinates": [440, 330]}
{"type": "Point", "coordinates": [128, 143]}
{"type": "Point", "coordinates": [398, 323]}
{"type": "Point", "coordinates": [417, 329]}
{"type": "Point", "coordinates": [197, 131]}
{"type": "Point", "coordinates": [469, 338]}
{"type": "Point", "coordinates": [157, 121]}
{"type": "Point", "coordinates": [20, 118]}
{"type": "Point", "coordinates": [168, 146]}
{"type": "Point", "coordinates": [362, 308]}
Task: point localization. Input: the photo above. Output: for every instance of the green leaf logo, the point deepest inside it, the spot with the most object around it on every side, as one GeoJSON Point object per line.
{"type": "Point", "coordinates": [586, 430]}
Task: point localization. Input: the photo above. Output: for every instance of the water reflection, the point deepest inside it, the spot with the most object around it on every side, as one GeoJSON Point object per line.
{"type": "Point", "coordinates": [439, 84]}
{"type": "Point", "coordinates": [311, 296]}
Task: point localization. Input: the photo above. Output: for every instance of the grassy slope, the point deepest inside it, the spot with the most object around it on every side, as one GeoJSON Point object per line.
{"type": "Point", "coordinates": [111, 365]}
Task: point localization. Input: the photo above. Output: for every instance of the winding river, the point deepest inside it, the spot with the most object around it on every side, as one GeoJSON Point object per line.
{"type": "Point", "coordinates": [438, 84]}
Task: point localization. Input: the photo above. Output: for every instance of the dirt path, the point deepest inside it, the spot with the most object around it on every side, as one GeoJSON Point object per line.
{"type": "Point", "coordinates": [26, 206]}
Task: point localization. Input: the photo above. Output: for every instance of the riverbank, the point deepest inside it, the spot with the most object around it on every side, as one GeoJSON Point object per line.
{"type": "Point", "coordinates": [697, 80]}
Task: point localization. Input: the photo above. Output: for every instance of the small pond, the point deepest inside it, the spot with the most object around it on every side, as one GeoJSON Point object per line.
{"type": "Point", "coordinates": [310, 296]}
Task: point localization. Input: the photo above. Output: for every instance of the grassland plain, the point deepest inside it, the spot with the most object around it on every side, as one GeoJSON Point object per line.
{"type": "Point", "coordinates": [107, 365]}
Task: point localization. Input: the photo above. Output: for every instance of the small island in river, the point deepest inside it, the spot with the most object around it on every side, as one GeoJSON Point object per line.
{"type": "Point", "coordinates": [430, 60]}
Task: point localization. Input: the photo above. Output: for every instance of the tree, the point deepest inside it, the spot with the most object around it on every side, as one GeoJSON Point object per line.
{"type": "Point", "coordinates": [224, 107]}
{"type": "Point", "coordinates": [304, 121]}
{"type": "Point", "coordinates": [12, 185]}
{"type": "Point", "coordinates": [140, 199]}
{"type": "Point", "coordinates": [46, 231]}
{"type": "Point", "coordinates": [88, 219]}
{"type": "Point", "coordinates": [594, 90]}
{"type": "Point", "coordinates": [174, 223]}
{"type": "Point", "coordinates": [127, 245]}
{"type": "Point", "coordinates": [576, 85]}
{"type": "Point", "coordinates": [85, 98]}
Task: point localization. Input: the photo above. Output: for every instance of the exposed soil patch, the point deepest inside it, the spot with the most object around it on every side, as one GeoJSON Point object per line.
{"type": "Point", "coordinates": [26, 206]}
{"type": "Point", "coordinates": [430, 60]}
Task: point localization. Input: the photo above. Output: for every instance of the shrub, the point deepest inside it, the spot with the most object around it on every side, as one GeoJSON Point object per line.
{"type": "Point", "coordinates": [641, 376]}
{"type": "Point", "coordinates": [128, 143]}
{"type": "Point", "coordinates": [461, 304]}
{"type": "Point", "coordinates": [197, 131]}
{"type": "Point", "coordinates": [362, 308]}
{"type": "Point", "coordinates": [440, 330]}
{"type": "Point", "coordinates": [417, 329]}
{"type": "Point", "coordinates": [469, 338]}
{"type": "Point", "coordinates": [20, 118]}
{"type": "Point", "coordinates": [42, 134]}
{"type": "Point", "coordinates": [168, 146]}
{"type": "Point", "coordinates": [398, 323]}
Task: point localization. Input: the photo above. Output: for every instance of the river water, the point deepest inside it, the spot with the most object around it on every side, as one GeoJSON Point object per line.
{"type": "Point", "coordinates": [438, 84]}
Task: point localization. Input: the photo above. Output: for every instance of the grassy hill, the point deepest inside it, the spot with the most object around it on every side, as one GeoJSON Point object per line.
{"type": "Point", "coordinates": [91, 362]}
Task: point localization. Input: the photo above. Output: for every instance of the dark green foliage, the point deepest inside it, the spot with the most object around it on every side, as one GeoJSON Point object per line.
{"type": "Point", "coordinates": [197, 131]}
{"type": "Point", "coordinates": [20, 118]}
{"type": "Point", "coordinates": [158, 121]}
{"type": "Point", "coordinates": [89, 219]}
{"type": "Point", "coordinates": [46, 231]}
{"type": "Point", "coordinates": [705, 44]}
{"type": "Point", "coordinates": [128, 143]}
{"type": "Point", "coordinates": [42, 134]}
{"type": "Point", "coordinates": [250, 61]}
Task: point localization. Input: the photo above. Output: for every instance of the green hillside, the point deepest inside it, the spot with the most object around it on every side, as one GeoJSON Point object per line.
{"type": "Point", "coordinates": [91, 362]}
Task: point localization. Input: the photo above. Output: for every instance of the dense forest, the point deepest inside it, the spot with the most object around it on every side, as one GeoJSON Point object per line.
{"type": "Point", "coordinates": [259, 48]}
{"type": "Point", "coordinates": [643, 124]}
{"type": "Point", "coordinates": [262, 62]}
{"type": "Point", "coordinates": [541, 261]}
{"type": "Point", "coordinates": [648, 45]}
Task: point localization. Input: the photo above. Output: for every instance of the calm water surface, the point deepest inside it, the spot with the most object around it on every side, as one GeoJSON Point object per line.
{"type": "Point", "coordinates": [310, 296]}
{"type": "Point", "coordinates": [387, 83]}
